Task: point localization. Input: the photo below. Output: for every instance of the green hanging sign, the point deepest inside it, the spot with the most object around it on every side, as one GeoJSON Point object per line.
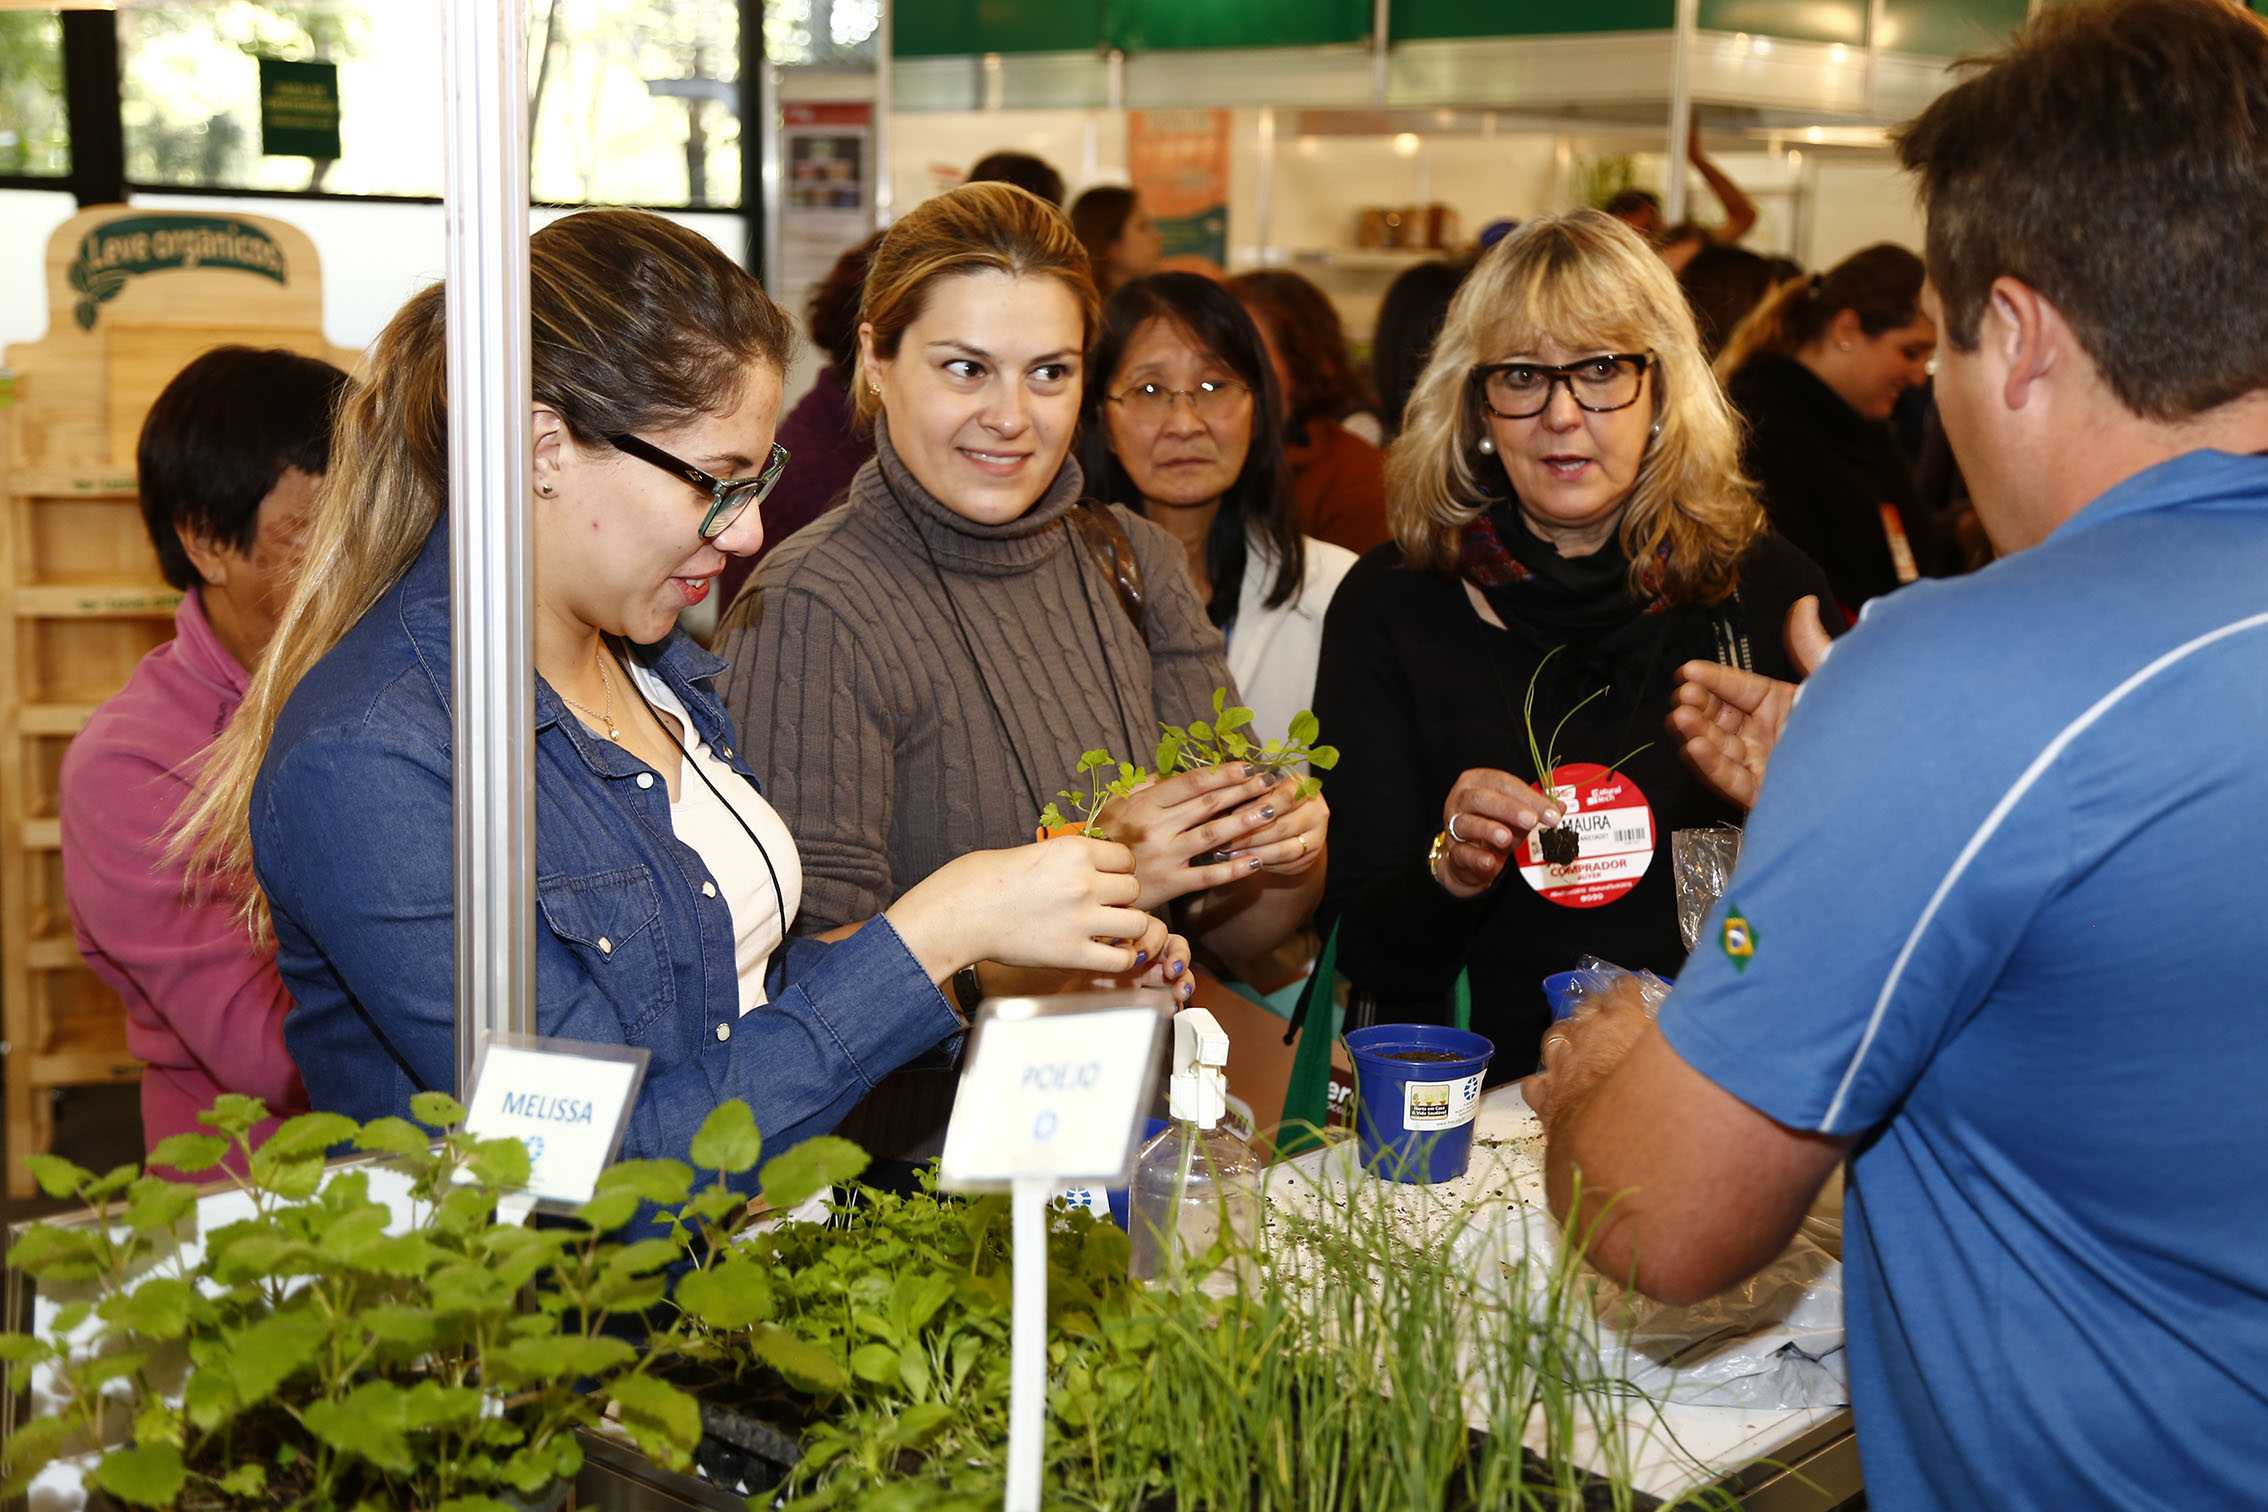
{"type": "Point", "coordinates": [299, 109]}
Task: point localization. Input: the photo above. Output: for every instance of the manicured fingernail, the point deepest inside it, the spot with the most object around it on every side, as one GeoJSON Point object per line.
{"type": "Point", "coordinates": [1253, 864]}
{"type": "Point", "coordinates": [1267, 813]}
{"type": "Point", "coordinates": [1174, 970]}
{"type": "Point", "coordinates": [1186, 988]}
{"type": "Point", "coordinates": [1140, 956]}
{"type": "Point", "coordinates": [1250, 770]}
{"type": "Point", "coordinates": [1527, 820]}
{"type": "Point", "coordinates": [1118, 942]}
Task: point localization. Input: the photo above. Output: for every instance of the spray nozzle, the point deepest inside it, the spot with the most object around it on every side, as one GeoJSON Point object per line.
{"type": "Point", "coordinates": [1199, 1087]}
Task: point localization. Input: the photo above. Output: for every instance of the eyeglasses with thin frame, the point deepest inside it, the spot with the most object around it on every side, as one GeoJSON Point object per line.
{"type": "Point", "coordinates": [1212, 399]}
{"type": "Point", "coordinates": [728, 497]}
{"type": "Point", "coordinates": [1601, 384]}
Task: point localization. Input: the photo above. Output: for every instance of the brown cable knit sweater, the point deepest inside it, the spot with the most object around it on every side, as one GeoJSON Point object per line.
{"type": "Point", "coordinates": [861, 710]}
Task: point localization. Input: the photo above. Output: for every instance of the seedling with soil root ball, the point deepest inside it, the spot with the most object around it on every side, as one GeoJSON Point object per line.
{"type": "Point", "coordinates": [1560, 844]}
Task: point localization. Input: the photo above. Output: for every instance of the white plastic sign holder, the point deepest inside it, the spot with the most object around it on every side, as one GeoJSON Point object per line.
{"type": "Point", "coordinates": [568, 1101]}
{"type": "Point", "coordinates": [1053, 1090]}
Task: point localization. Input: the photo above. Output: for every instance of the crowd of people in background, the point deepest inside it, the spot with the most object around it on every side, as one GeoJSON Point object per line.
{"type": "Point", "coordinates": [1560, 534]}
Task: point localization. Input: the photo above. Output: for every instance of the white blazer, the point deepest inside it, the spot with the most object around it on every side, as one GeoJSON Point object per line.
{"type": "Point", "coordinates": [1272, 652]}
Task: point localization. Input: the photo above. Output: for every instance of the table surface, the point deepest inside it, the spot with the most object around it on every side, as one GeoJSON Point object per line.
{"type": "Point", "coordinates": [1674, 1446]}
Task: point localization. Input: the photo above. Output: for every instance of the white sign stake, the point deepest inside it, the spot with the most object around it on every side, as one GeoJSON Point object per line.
{"type": "Point", "coordinates": [1027, 1360]}
{"type": "Point", "coordinates": [1053, 1091]}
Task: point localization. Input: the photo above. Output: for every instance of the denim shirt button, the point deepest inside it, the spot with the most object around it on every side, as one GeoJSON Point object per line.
{"type": "Point", "coordinates": [724, 1031]}
{"type": "Point", "coordinates": [728, 753]}
{"type": "Point", "coordinates": [645, 779]}
{"type": "Point", "coordinates": [708, 889]}
{"type": "Point", "coordinates": [605, 946]}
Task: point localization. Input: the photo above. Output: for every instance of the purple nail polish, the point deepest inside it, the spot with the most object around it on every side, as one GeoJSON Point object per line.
{"type": "Point", "coordinates": [1174, 970]}
{"type": "Point", "coordinates": [1140, 956]}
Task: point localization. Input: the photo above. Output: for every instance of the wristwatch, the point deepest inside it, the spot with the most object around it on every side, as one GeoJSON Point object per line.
{"type": "Point", "coordinates": [968, 990]}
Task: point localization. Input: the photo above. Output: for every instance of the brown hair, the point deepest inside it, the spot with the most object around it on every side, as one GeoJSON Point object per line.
{"type": "Point", "coordinates": [1305, 327]}
{"type": "Point", "coordinates": [1098, 219]}
{"type": "Point", "coordinates": [638, 324]}
{"type": "Point", "coordinates": [1882, 285]}
{"type": "Point", "coordinates": [1591, 283]}
{"type": "Point", "coordinates": [830, 313]}
{"type": "Point", "coordinates": [2113, 158]}
{"type": "Point", "coordinates": [967, 230]}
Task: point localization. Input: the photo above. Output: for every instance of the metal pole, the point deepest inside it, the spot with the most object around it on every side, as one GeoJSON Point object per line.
{"type": "Point", "coordinates": [758, 88]}
{"type": "Point", "coordinates": [1381, 17]}
{"type": "Point", "coordinates": [1680, 110]}
{"type": "Point", "coordinates": [885, 42]}
{"type": "Point", "coordinates": [492, 570]}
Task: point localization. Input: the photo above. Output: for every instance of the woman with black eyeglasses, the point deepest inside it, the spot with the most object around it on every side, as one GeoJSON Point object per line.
{"type": "Point", "coordinates": [1570, 526]}
{"type": "Point", "coordinates": [667, 885]}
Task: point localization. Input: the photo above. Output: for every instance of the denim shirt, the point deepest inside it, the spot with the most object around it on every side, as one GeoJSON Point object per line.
{"type": "Point", "coordinates": [352, 843]}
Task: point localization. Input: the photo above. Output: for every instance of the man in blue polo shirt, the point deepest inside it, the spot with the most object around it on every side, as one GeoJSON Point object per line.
{"type": "Point", "coordinates": [1996, 935]}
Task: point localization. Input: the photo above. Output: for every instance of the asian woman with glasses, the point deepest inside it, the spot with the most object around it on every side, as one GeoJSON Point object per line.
{"type": "Point", "coordinates": [925, 665]}
{"type": "Point", "coordinates": [667, 886]}
{"type": "Point", "coordinates": [1570, 527]}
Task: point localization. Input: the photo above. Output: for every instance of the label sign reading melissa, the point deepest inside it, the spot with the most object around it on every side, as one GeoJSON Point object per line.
{"type": "Point", "coordinates": [1054, 1088]}
{"type": "Point", "coordinates": [568, 1102]}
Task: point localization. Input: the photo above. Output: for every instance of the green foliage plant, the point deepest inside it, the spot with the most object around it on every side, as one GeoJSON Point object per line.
{"type": "Point", "coordinates": [320, 1353]}
{"type": "Point", "coordinates": [1226, 737]}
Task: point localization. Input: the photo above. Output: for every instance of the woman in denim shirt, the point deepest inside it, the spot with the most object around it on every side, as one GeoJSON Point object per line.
{"type": "Point", "coordinates": [664, 881]}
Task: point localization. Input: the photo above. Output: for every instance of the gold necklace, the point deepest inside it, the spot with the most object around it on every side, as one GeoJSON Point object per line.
{"type": "Point", "coordinates": [607, 718]}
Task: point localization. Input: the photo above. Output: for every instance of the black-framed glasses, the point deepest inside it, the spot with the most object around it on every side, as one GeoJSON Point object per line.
{"type": "Point", "coordinates": [1151, 403]}
{"type": "Point", "coordinates": [727, 496]}
{"type": "Point", "coordinates": [1602, 384]}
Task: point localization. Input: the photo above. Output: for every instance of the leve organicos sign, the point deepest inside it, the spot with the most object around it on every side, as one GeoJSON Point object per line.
{"type": "Point", "coordinates": [118, 251]}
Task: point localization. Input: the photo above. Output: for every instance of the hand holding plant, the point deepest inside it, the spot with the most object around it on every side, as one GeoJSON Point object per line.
{"type": "Point", "coordinates": [1057, 904]}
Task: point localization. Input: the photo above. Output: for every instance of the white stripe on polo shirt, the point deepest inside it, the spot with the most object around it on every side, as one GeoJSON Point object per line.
{"type": "Point", "coordinates": [1991, 825]}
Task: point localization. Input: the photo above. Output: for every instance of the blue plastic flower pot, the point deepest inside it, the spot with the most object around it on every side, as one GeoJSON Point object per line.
{"type": "Point", "coordinates": [1559, 991]}
{"type": "Point", "coordinates": [1414, 1117]}
{"type": "Point", "coordinates": [1116, 1196]}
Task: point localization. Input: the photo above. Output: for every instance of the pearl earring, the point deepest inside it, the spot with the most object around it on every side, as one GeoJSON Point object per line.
{"type": "Point", "coordinates": [1486, 447]}
{"type": "Point", "coordinates": [1657, 427]}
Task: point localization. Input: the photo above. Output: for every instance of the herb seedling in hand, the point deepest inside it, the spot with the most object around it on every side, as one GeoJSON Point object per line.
{"type": "Point", "coordinates": [1560, 844]}
{"type": "Point", "coordinates": [1224, 739]}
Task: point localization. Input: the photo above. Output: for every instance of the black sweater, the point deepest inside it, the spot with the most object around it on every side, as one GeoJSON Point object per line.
{"type": "Point", "coordinates": [1413, 687]}
{"type": "Point", "coordinates": [1824, 471]}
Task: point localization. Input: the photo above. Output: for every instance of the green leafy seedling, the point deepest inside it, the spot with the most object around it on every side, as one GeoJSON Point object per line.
{"type": "Point", "coordinates": [1560, 844]}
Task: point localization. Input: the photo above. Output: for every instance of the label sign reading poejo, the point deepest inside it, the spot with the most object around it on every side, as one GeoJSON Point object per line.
{"type": "Point", "coordinates": [1615, 825]}
{"type": "Point", "coordinates": [569, 1104]}
{"type": "Point", "coordinates": [1051, 1094]}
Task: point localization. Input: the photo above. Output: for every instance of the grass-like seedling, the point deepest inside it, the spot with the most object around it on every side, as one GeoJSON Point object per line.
{"type": "Point", "coordinates": [1560, 844]}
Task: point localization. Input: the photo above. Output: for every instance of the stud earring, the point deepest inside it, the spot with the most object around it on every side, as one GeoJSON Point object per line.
{"type": "Point", "coordinates": [1486, 447]}
{"type": "Point", "coordinates": [545, 489]}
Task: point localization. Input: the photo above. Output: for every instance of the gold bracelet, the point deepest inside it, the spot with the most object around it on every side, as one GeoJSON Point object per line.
{"type": "Point", "coordinates": [1433, 857]}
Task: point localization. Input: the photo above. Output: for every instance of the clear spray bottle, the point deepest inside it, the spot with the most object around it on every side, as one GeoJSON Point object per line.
{"type": "Point", "coordinates": [1197, 1181]}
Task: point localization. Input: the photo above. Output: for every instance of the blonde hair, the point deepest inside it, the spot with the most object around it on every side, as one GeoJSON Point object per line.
{"type": "Point", "coordinates": [1590, 283]}
{"type": "Point", "coordinates": [967, 230]}
{"type": "Point", "coordinates": [638, 324]}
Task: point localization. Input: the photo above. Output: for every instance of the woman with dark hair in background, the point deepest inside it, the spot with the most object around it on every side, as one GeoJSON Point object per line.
{"type": "Point", "coordinates": [1816, 371]}
{"type": "Point", "coordinates": [1030, 174]}
{"type": "Point", "coordinates": [229, 462]}
{"type": "Point", "coordinates": [1122, 241]}
{"type": "Point", "coordinates": [822, 432]}
{"type": "Point", "coordinates": [1176, 427]}
{"type": "Point", "coordinates": [1723, 284]}
{"type": "Point", "coordinates": [1331, 425]}
{"type": "Point", "coordinates": [1416, 303]}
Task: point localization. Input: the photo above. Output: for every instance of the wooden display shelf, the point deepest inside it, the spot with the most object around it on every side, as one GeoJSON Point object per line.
{"type": "Point", "coordinates": [81, 597]}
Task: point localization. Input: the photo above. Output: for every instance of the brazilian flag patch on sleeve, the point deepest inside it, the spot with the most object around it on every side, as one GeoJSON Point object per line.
{"type": "Point", "coordinates": [1738, 937]}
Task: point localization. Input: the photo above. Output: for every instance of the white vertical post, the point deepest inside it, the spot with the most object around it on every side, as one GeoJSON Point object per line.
{"type": "Point", "coordinates": [885, 189]}
{"type": "Point", "coordinates": [1680, 110]}
{"type": "Point", "coordinates": [1027, 1359]}
{"type": "Point", "coordinates": [492, 570]}
{"type": "Point", "coordinates": [1381, 18]}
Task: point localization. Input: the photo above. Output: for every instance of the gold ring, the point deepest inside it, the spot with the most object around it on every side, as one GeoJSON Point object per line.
{"type": "Point", "coordinates": [1302, 844]}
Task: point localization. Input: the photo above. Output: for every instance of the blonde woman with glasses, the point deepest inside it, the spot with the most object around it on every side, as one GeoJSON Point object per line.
{"type": "Point", "coordinates": [1570, 526]}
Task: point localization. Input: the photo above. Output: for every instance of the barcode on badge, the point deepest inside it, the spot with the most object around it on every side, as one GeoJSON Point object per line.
{"type": "Point", "coordinates": [1629, 837]}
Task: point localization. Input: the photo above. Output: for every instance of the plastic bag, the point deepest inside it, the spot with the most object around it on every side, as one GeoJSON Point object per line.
{"type": "Point", "coordinates": [1594, 978]}
{"type": "Point", "coordinates": [1774, 1341]}
{"type": "Point", "coordinates": [1702, 861]}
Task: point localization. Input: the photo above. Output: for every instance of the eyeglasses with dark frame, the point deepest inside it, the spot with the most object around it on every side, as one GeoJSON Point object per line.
{"type": "Point", "coordinates": [1522, 390]}
{"type": "Point", "coordinates": [728, 497]}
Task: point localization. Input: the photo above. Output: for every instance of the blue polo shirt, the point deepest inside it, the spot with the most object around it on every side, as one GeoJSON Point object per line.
{"type": "Point", "coordinates": [2000, 915]}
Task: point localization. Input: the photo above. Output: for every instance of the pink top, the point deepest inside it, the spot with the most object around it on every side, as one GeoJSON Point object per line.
{"type": "Point", "coordinates": [204, 1006]}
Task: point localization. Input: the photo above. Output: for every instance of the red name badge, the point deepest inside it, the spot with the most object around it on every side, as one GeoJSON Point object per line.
{"type": "Point", "coordinates": [1615, 826]}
